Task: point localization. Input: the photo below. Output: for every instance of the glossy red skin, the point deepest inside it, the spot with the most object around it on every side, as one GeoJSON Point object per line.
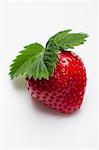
{"type": "Point", "coordinates": [65, 89]}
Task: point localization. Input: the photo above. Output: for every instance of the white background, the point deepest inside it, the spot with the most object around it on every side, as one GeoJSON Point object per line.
{"type": "Point", "coordinates": [33, 125]}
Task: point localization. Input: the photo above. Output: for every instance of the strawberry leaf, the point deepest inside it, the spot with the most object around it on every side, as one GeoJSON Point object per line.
{"type": "Point", "coordinates": [65, 39]}
{"type": "Point", "coordinates": [30, 63]}
{"type": "Point", "coordinates": [51, 56]}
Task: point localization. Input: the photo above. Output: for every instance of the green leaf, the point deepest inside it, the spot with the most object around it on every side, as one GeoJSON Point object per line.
{"type": "Point", "coordinates": [65, 39]}
{"type": "Point", "coordinates": [51, 56]}
{"type": "Point", "coordinates": [29, 63]}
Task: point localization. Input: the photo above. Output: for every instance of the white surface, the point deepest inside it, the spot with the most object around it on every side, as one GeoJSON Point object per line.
{"type": "Point", "coordinates": [32, 125]}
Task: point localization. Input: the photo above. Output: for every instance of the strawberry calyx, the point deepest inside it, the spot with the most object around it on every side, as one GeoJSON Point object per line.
{"type": "Point", "coordinates": [37, 62]}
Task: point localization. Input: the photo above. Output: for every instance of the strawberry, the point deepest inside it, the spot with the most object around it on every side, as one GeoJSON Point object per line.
{"type": "Point", "coordinates": [55, 76]}
{"type": "Point", "coordinates": [65, 89]}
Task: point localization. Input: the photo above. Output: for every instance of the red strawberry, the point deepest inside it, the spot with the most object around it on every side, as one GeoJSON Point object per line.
{"type": "Point", "coordinates": [56, 77]}
{"type": "Point", "coordinates": [65, 89]}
